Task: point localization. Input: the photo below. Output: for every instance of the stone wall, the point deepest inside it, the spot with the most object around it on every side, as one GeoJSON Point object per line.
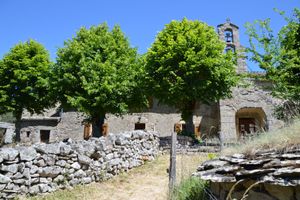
{"type": "Point", "coordinates": [187, 145]}
{"type": "Point", "coordinates": [162, 119]}
{"type": "Point", "coordinates": [253, 95]}
{"type": "Point", "coordinates": [7, 133]}
{"type": "Point", "coordinates": [42, 168]}
{"type": "Point", "coordinates": [267, 174]}
{"type": "Point", "coordinates": [68, 125]}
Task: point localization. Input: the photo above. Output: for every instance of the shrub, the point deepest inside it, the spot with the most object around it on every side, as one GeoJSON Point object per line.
{"type": "Point", "coordinates": [191, 189]}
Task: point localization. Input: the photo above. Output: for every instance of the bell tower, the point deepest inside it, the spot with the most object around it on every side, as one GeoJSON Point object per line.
{"type": "Point", "coordinates": [229, 33]}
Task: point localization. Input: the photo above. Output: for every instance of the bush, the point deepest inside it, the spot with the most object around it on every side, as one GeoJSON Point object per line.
{"type": "Point", "coordinates": [191, 189]}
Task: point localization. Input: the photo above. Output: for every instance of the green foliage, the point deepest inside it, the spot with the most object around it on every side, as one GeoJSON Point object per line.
{"type": "Point", "coordinates": [211, 156]}
{"type": "Point", "coordinates": [191, 189]}
{"type": "Point", "coordinates": [98, 71]}
{"type": "Point", "coordinates": [7, 117]}
{"type": "Point", "coordinates": [24, 74]}
{"type": "Point", "coordinates": [187, 63]}
{"type": "Point", "coordinates": [278, 54]}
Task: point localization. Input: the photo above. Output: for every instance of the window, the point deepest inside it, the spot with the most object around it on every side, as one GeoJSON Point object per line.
{"type": "Point", "coordinates": [2, 135]}
{"type": "Point", "coordinates": [197, 131]}
{"type": "Point", "coordinates": [139, 126]}
{"type": "Point", "coordinates": [247, 125]}
{"type": "Point", "coordinates": [228, 36]}
{"type": "Point", "coordinates": [230, 48]}
{"type": "Point", "coordinates": [45, 136]}
{"type": "Point", "coordinates": [87, 131]}
{"type": "Point", "coordinates": [179, 127]}
{"type": "Point", "coordinates": [27, 133]}
{"type": "Point", "coordinates": [105, 129]}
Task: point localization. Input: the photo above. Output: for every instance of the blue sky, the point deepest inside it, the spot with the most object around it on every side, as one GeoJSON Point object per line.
{"type": "Point", "coordinates": [50, 22]}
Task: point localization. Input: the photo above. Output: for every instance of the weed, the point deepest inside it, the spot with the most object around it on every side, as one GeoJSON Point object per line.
{"type": "Point", "coordinates": [211, 156]}
{"type": "Point", "coordinates": [191, 189]}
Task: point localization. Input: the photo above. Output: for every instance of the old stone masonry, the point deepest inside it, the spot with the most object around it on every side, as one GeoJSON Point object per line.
{"type": "Point", "coordinates": [42, 168]}
{"type": "Point", "coordinates": [267, 175]}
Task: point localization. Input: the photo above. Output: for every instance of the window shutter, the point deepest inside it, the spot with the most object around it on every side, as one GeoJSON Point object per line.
{"type": "Point", "coordinates": [177, 127]}
{"type": "Point", "coordinates": [105, 129]}
{"type": "Point", "coordinates": [197, 131]}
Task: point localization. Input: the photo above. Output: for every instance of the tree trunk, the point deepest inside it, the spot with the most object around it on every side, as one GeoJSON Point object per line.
{"type": "Point", "coordinates": [189, 124]}
{"type": "Point", "coordinates": [18, 126]}
{"type": "Point", "coordinates": [97, 124]}
{"type": "Point", "coordinates": [187, 116]}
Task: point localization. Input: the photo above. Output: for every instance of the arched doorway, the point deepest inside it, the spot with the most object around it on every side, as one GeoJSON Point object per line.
{"type": "Point", "coordinates": [250, 120]}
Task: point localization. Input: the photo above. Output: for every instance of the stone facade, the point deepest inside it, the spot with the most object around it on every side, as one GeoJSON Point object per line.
{"type": "Point", "coordinates": [7, 133]}
{"type": "Point", "coordinates": [162, 119]}
{"type": "Point", "coordinates": [42, 168]}
{"type": "Point", "coordinates": [253, 100]}
{"type": "Point", "coordinates": [251, 109]}
{"type": "Point", "coordinates": [58, 126]}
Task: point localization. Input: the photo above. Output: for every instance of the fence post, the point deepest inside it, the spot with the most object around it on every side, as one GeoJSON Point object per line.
{"type": "Point", "coordinates": [172, 168]}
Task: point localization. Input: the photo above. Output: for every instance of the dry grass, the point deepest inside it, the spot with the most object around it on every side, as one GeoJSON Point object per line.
{"type": "Point", "coordinates": [280, 140]}
{"type": "Point", "coordinates": [148, 182]}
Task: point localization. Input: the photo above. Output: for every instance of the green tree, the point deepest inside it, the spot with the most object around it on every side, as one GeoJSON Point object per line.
{"type": "Point", "coordinates": [278, 54]}
{"type": "Point", "coordinates": [24, 75]}
{"type": "Point", "coordinates": [98, 72]}
{"type": "Point", "coordinates": [186, 63]}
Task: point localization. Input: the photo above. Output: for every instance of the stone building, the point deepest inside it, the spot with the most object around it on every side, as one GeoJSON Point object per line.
{"type": "Point", "coordinates": [249, 110]}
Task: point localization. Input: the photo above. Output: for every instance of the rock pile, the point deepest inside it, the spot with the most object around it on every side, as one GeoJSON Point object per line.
{"type": "Point", "coordinates": [46, 167]}
{"type": "Point", "coordinates": [187, 145]}
{"type": "Point", "coordinates": [273, 175]}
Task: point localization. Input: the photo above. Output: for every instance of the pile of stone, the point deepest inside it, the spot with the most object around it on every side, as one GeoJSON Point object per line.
{"type": "Point", "coordinates": [187, 145]}
{"type": "Point", "coordinates": [42, 168]}
{"type": "Point", "coordinates": [267, 174]}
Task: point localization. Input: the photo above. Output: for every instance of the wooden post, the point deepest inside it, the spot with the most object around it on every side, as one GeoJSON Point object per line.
{"type": "Point", "coordinates": [172, 168]}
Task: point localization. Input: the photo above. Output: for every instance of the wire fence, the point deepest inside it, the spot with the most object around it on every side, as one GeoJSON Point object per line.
{"type": "Point", "coordinates": [209, 195]}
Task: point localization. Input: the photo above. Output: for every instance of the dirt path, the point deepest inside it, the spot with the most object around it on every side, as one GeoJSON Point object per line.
{"type": "Point", "coordinates": [148, 182]}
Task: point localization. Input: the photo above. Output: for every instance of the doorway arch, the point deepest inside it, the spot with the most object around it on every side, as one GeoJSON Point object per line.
{"type": "Point", "coordinates": [250, 120]}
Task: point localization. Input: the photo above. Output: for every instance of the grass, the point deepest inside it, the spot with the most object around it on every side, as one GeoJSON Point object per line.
{"type": "Point", "coordinates": [280, 140]}
{"type": "Point", "coordinates": [191, 188]}
{"type": "Point", "coordinates": [148, 182]}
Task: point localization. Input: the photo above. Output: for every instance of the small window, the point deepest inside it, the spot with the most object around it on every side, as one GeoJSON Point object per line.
{"type": "Point", "coordinates": [105, 129]}
{"type": "Point", "coordinates": [87, 131]}
{"type": "Point", "coordinates": [197, 131]}
{"type": "Point", "coordinates": [2, 135]}
{"type": "Point", "coordinates": [2, 131]}
{"type": "Point", "coordinates": [179, 127]}
{"type": "Point", "coordinates": [45, 136]}
{"type": "Point", "coordinates": [139, 126]}
{"type": "Point", "coordinates": [230, 48]}
{"type": "Point", "coordinates": [27, 133]}
{"type": "Point", "coordinates": [228, 36]}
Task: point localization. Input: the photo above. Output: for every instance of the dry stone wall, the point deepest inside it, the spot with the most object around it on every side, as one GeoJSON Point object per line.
{"type": "Point", "coordinates": [268, 174]}
{"type": "Point", "coordinates": [43, 168]}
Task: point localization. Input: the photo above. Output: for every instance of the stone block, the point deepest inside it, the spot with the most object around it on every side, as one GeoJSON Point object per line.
{"type": "Point", "coordinates": [4, 179]}
{"type": "Point", "coordinates": [252, 195]}
{"type": "Point", "coordinates": [9, 136]}
{"type": "Point", "coordinates": [9, 154]}
{"type": "Point", "coordinates": [10, 168]}
{"type": "Point", "coordinates": [280, 192]}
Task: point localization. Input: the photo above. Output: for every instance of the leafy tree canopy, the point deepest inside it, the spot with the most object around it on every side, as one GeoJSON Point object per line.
{"type": "Point", "coordinates": [186, 63]}
{"type": "Point", "coordinates": [98, 72]}
{"type": "Point", "coordinates": [278, 54]}
{"type": "Point", "coordinates": [24, 74]}
{"type": "Point", "coordinates": [24, 81]}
